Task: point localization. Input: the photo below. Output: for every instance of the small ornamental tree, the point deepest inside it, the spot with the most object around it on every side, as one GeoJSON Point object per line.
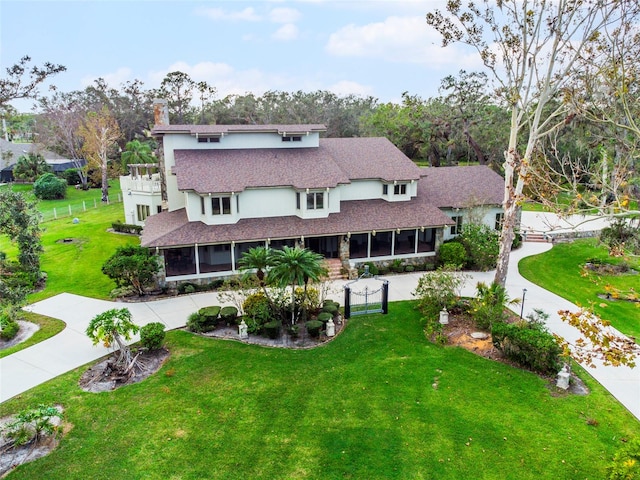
{"type": "Point", "coordinates": [50, 187]}
{"type": "Point", "coordinates": [114, 327]}
{"type": "Point", "coordinates": [132, 266]}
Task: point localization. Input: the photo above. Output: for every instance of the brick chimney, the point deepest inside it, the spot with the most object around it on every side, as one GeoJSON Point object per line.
{"type": "Point", "coordinates": [160, 112]}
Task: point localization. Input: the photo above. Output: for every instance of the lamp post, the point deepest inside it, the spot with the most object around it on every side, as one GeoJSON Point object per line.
{"type": "Point", "coordinates": [524, 292]}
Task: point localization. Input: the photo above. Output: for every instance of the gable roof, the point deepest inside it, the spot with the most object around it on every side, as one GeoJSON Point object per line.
{"type": "Point", "coordinates": [461, 187]}
{"type": "Point", "coordinates": [335, 161]}
{"type": "Point", "coordinates": [19, 149]}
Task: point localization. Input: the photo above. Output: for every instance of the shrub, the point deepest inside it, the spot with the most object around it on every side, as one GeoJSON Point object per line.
{"type": "Point", "coordinates": [488, 307]}
{"type": "Point", "coordinates": [409, 268]}
{"type": "Point", "coordinates": [10, 328]}
{"type": "Point", "coordinates": [314, 327]}
{"type": "Point", "coordinates": [152, 335]}
{"type": "Point", "coordinates": [186, 287]}
{"type": "Point", "coordinates": [294, 331]}
{"type": "Point", "coordinates": [126, 228]}
{"type": "Point", "coordinates": [210, 314]}
{"type": "Point", "coordinates": [481, 244]}
{"type": "Point", "coordinates": [452, 253]}
{"type": "Point", "coordinates": [528, 344]}
{"type": "Point", "coordinates": [272, 329]}
{"type": "Point", "coordinates": [195, 322]}
{"type": "Point", "coordinates": [330, 308]}
{"type": "Point", "coordinates": [71, 176]}
{"type": "Point", "coordinates": [32, 424]}
{"type": "Point", "coordinates": [373, 270]}
{"type": "Point", "coordinates": [324, 317]}
{"type": "Point", "coordinates": [228, 314]}
{"type": "Point", "coordinates": [50, 187]}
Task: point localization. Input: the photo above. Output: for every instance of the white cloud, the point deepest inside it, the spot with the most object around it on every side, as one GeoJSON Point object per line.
{"type": "Point", "coordinates": [284, 15]}
{"type": "Point", "coordinates": [396, 39]}
{"type": "Point", "coordinates": [247, 15]}
{"type": "Point", "coordinates": [286, 32]}
{"type": "Point", "coordinates": [113, 79]}
{"type": "Point", "coordinates": [346, 87]}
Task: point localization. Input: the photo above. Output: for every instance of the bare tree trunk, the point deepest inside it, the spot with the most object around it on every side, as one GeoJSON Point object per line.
{"type": "Point", "coordinates": [105, 181]}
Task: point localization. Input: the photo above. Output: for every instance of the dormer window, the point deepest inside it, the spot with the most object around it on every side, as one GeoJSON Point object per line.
{"type": "Point", "coordinates": [315, 200]}
{"type": "Point", "coordinates": [221, 205]}
{"type": "Point", "coordinates": [290, 138]}
{"type": "Point", "coordinates": [400, 189]}
{"type": "Point", "coordinates": [208, 139]}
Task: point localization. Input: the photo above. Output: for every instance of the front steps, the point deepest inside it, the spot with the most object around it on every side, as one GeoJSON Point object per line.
{"type": "Point", "coordinates": [334, 267]}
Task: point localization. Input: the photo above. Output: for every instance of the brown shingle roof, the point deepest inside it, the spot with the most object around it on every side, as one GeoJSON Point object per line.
{"type": "Point", "coordinates": [219, 171]}
{"type": "Point", "coordinates": [461, 187]}
{"type": "Point", "coordinates": [171, 229]}
{"type": "Point", "coordinates": [335, 161]}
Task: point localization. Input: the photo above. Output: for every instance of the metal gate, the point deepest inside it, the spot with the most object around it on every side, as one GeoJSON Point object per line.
{"type": "Point", "coordinates": [367, 300]}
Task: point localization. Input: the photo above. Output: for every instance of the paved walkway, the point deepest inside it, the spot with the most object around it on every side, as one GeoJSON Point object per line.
{"type": "Point", "coordinates": [71, 348]}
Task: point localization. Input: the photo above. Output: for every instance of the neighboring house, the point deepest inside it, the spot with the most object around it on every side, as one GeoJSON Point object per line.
{"type": "Point", "coordinates": [10, 152]}
{"type": "Point", "coordinates": [229, 188]}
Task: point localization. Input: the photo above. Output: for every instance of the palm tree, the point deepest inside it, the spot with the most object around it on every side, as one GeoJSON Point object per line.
{"type": "Point", "coordinates": [136, 152]}
{"type": "Point", "coordinates": [258, 259]}
{"type": "Point", "coordinates": [31, 166]}
{"type": "Point", "coordinates": [295, 266]}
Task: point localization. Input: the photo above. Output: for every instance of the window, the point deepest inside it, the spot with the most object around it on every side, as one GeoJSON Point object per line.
{"type": "Point", "coordinates": [208, 139]}
{"type": "Point", "coordinates": [400, 189]}
{"type": "Point", "coordinates": [202, 210]}
{"type": "Point", "coordinates": [298, 200]}
{"type": "Point", "coordinates": [159, 208]}
{"type": "Point", "coordinates": [499, 220]}
{"type": "Point", "coordinates": [457, 228]}
{"type": "Point", "coordinates": [221, 205]}
{"type": "Point", "coordinates": [296, 138]}
{"type": "Point", "coordinates": [315, 200]}
{"type": "Point", "coordinates": [143, 212]}
{"type": "Point", "coordinates": [385, 189]}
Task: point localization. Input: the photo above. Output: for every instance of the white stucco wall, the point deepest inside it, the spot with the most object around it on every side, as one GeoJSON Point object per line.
{"type": "Point", "coordinates": [485, 215]}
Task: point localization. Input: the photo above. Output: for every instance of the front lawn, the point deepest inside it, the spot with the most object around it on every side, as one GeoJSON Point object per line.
{"type": "Point", "coordinates": [559, 270]}
{"type": "Point", "coordinates": [379, 401]}
{"type": "Point", "coordinates": [48, 328]}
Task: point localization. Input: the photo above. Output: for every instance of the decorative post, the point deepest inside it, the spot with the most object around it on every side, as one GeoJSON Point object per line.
{"type": "Point", "coordinates": [524, 292]}
{"type": "Point", "coordinates": [385, 297]}
{"type": "Point", "coordinates": [444, 316]}
{"type": "Point", "coordinates": [347, 301]}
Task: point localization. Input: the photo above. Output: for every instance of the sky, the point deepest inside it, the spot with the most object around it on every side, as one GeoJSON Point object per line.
{"type": "Point", "coordinates": [380, 48]}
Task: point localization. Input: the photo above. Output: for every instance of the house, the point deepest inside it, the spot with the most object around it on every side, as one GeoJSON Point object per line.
{"type": "Point", "coordinates": [10, 152]}
{"type": "Point", "coordinates": [219, 190]}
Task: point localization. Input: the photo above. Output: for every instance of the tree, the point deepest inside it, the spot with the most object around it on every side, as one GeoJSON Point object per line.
{"type": "Point", "coordinates": [177, 88]}
{"type": "Point", "coordinates": [31, 166]}
{"type": "Point", "coordinates": [136, 152]}
{"type": "Point", "coordinates": [258, 259]}
{"type": "Point", "coordinates": [132, 266]}
{"type": "Point", "coordinates": [295, 267]}
{"type": "Point", "coordinates": [531, 48]}
{"type": "Point", "coordinates": [20, 221]}
{"type": "Point", "coordinates": [59, 124]}
{"type": "Point", "coordinates": [15, 86]}
{"type": "Point", "coordinates": [100, 132]}
{"type": "Point", "coordinates": [114, 327]}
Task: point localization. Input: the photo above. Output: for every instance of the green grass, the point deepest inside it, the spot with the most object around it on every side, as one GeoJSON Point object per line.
{"type": "Point", "coordinates": [75, 266]}
{"type": "Point", "coordinates": [75, 203]}
{"type": "Point", "coordinates": [559, 271]}
{"type": "Point", "coordinates": [48, 328]}
{"type": "Point", "coordinates": [379, 402]}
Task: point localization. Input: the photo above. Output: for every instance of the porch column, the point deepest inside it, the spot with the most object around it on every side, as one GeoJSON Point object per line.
{"type": "Point", "coordinates": [233, 256]}
{"type": "Point", "coordinates": [196, 257]}
{"type": "Point", "coordinates": [415, 243]}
